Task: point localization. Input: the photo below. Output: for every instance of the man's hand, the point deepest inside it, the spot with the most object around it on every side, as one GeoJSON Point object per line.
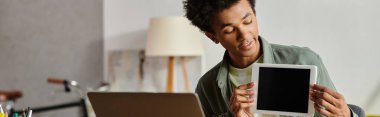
{"type": "Point", "coordinates": [242, 100]}
{"type": "Point", "coordinates": [329, 102]}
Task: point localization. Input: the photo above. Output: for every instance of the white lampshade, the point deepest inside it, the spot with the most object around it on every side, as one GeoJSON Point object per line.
{"type": "Point", "coordinates": [173, 36]}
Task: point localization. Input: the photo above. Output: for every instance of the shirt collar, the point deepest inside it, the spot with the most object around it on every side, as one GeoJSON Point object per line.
{"type": "Point", "coordinates": [267, 51]}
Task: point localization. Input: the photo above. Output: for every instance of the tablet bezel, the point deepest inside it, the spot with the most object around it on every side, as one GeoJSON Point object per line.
{"type": "Point", "coordinates": [255, 79]}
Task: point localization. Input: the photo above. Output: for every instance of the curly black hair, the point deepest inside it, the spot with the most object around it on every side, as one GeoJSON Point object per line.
{"type": "Point", "coordinates": [201, 12]}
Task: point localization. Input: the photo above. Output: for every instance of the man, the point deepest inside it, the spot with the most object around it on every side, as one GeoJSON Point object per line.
{"type": "Point", "coordinates": [223, 90]}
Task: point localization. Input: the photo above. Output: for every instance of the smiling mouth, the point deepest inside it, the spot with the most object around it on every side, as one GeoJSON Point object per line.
{"type": "Point", "coordinates": [246, 45]}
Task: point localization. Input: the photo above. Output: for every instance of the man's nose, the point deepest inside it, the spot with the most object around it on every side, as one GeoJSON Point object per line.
{"type": "Point", "coordinates": [243, 33]}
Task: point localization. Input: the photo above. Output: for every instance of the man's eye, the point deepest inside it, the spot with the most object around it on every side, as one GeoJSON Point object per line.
{"type": "Point", "coordinates": [248, 21]}
{"type": "Point", "coordinates": [228, 30]}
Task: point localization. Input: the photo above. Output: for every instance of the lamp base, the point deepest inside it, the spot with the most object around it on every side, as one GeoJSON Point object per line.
{"type": "Point", "coordinates": [170, 82]}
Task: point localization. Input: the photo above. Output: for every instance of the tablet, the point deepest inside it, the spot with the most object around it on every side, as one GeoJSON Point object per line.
{"type": "Point", "coordinates": [283, 89]}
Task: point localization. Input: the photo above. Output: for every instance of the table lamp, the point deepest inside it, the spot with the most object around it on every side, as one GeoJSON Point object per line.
{"type": "Point", "coordinates": [173, 36]}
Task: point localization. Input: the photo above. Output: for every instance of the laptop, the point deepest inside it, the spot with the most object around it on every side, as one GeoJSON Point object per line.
{"type": "Point", "coordinates": [127, 104]}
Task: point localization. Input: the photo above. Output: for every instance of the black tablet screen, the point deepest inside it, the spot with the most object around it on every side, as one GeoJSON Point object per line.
{"type": "Point", "coordinates": [283, 89]}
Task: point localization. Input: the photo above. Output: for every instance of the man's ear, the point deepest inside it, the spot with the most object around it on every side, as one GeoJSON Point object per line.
{"type": "Point", "coordinates": [212, 37]}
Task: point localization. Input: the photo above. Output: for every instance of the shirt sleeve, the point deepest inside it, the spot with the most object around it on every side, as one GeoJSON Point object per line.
{"type": "Point", "coordinates": [312, 58]}
{"type": "Point", "coordinates": [353, 114]}
{"type": "Point", "coordinates": [205, 106]}
{"type": "Point", "coordinates": [323, 76]}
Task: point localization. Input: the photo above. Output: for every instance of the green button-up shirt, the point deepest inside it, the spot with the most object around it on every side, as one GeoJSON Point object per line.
{"type": "Point", "coordinates": [214, 89]}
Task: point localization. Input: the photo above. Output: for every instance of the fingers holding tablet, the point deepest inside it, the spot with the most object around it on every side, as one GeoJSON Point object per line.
{"type": "Point", "coordinates": [323, 100]}
{"type": "Point", "coordinates": [243, 93]}
{"type": "Point", "coordinates": [322, 110]}
{"type": "Point", "coordinates": [324, 107]}
{"type": "Point", "coordinates": [321, 88]}
{"type": "Point", "coordinates": [329, 102]}
{"type": "Point", "coordinates": [246, 86]}
{"type": "Point", "coordinates": [242, 99]}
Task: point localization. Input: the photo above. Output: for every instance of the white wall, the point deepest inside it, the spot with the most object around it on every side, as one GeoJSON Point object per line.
{"type": "Point", "coordinates": [342, 32]}
{"type": "Point", "coordinates": [43, 38]}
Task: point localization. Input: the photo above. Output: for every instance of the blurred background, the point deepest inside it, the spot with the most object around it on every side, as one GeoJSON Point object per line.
{"type": "Point", "coordinates": [81, 40]}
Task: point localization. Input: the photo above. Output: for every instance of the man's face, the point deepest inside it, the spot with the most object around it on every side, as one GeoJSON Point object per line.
{"type": "Point", "coordinates": [236, 29]}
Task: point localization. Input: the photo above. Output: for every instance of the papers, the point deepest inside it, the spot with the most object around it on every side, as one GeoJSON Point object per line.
{"type": "Point", "coordinates": [2, 114]}
{"type": "Point", "coordinates": [25, 113]}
